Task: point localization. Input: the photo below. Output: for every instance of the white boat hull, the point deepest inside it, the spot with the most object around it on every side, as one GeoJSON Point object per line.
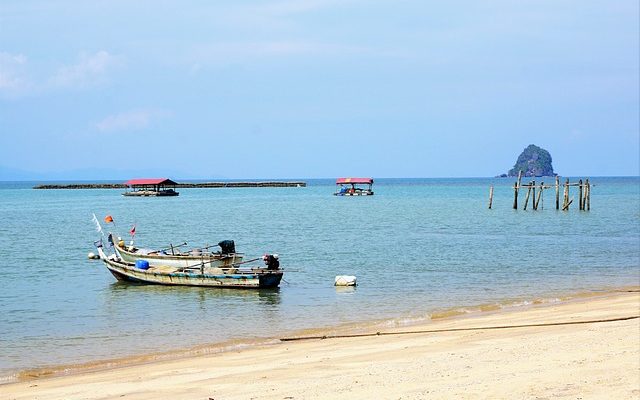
{"type": "Point", "coordinates": [180, 261]}
{"type": "Point", "coordinates": [355, 194]}
{"type": "Point", "coordinates": [207, 277]}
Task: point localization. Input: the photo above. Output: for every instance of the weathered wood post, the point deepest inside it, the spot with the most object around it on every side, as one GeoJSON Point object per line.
{"type": "Point", "coordinates": [585, 194]}
{"type": "Point", "coordinates": [588, 195]}
{"type": "Point", "coordinates": [580, 198]}
{"type": "Point", "coordinates": [539, 196]}
{"type": "Point", "coordinates": [533, 200]}
{"type": "Point", "coordinates": [565, 202]}
{"type": "Point", "coordinates": [557, 192]}
{"type": "Point", "coordinates": [526, 199]}
{"type": "Point", "coordinates": [566, 207]}
{"type": "Point", "coordinates": [515, 191]}
{"type": "Point", "coordinates": [490, 196]}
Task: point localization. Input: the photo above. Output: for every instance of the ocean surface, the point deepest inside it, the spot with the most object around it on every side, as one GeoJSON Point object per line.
{"type": "Point", "coordinates": [420, 248]}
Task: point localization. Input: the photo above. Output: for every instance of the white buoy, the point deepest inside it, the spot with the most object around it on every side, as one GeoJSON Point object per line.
{"type": "Point", "coordinates": [345, 280]}
{"type": "Point", "coordinates": [92, 256]}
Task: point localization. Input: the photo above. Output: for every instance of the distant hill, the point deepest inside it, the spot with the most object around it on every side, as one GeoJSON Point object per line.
{"type": "Point", "coordinates": [14, 174]}
{"type": "Point", "coordinates": [533, 161]}
{"type": "Point", "coordinates": [95, 174]}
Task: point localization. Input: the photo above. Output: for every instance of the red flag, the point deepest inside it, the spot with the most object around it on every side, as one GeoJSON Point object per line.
{"type": "Point", "coordinates": [108, 219]}
{"type": "Point", "coordinates": [133, 231]}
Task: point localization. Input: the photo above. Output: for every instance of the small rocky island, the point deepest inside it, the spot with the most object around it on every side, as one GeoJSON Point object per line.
{"type": "Point", "coordinates": [533, 161]}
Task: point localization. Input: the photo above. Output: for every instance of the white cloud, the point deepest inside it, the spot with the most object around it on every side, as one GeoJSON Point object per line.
{"type": "Point", "coordinates": [12, 74]}
{"type": "Point", "coordinates": [269, 30]}
{"type": "Point", "coordinates": [130, 120]}
{"type": "Point", "coordinates": [90, 70]}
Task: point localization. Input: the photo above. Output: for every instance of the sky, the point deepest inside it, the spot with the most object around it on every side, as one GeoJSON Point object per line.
{"type": "Point", "coordinates": [317, 88]}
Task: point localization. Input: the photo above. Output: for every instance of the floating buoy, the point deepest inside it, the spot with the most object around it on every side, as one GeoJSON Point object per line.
{"type": "Point", "coordinates": [93, 256]}
{"type": "Point", "coordinates": [345, 280]}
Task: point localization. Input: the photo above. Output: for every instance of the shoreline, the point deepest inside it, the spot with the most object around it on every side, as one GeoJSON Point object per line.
{"type": "Point", "coordinates": [593, 360]}
{"type": "Point", "coordinates": [466, 314]}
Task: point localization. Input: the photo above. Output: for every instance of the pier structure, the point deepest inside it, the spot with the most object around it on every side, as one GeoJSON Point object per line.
{"type": "Point", "coordinates": [537, 202]}
{"type": "Point", "coordinates": [179, 185]}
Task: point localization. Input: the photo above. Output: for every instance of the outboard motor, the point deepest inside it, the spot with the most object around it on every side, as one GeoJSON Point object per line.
{"type": "Point", "coordinates": [227, 247]}
{"type": "Point", "coordinates": [271, 261]}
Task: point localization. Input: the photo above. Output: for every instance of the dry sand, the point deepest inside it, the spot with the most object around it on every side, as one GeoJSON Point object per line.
{"type": "Point", "coordinates": [583, 361]}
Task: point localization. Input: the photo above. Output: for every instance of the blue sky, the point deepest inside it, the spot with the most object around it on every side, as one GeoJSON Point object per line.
{"type": "Point", "coordinates": [319, 88]}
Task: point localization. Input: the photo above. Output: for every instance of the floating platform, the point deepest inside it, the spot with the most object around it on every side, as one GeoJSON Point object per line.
{"type": "Point", "coordinates": [151, 193]}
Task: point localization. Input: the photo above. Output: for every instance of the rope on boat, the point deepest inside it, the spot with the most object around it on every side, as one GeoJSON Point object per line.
{"type": "Point", "coordinates": [593, 321]}
{"type": "Point", "coordinates": [171, 247]}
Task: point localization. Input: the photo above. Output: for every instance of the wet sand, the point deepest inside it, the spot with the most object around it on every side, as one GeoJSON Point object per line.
{"type": "Point", "coordinates": [588, 361]}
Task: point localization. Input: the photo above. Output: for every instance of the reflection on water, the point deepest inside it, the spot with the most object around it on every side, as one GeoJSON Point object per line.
{"type": "Point", "coordinates": [346, 290]}
{"type": "Point", "coordinates": [269, 297]}
{"type": "Point", "coordinates": [119, 290]}
{"type": "Point", "coordinates": [198, 307]}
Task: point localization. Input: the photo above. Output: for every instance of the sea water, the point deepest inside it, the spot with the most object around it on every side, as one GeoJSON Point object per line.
{"type": "Point", "coordinates": [420, 248]}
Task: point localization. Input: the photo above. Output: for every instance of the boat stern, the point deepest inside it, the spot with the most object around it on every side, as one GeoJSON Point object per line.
{"type": "Point", "coordinates": [270, 280]}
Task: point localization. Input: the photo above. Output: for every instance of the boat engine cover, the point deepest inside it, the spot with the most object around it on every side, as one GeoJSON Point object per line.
{"type": "Point", "coordinates": [227, 247]}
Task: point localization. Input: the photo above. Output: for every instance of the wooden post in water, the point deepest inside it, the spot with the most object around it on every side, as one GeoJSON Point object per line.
{"type": "Point", "coordinates": [566, 206]}
{"type": "Point", "coordinates": [537, 203]}
{"type": "Point", "coordinates": [557, 192]}
{"type": "Point", "coordinates": [533, 200]}
{"type": "Point", "coordinates": [580, 198]}
{"type": "Point", "coordinates": [565, 202]}
{"type": "Point", "coordinates": [490, 196]}
{"type": "Point", "coordinates": [584, 195]}
{"type": "Point", "coordinates": [588, 195]}
{"type": "Point", "coordinates": [515, 191]}
{"type": "Point", "coordinates": [526, 199]}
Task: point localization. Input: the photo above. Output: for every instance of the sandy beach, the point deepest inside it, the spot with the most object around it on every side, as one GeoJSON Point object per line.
{"type": "Point", "coordinates": [591, 360]}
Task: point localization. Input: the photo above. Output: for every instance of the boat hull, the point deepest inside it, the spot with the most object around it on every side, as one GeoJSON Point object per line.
{"type": "Point", "coordinates": [150, 193]}
{"type": "Point", "coordinates": [354, 194]}
{"type": "Point", "coordinates": [250, 279]}
{"type": "Point", "coordinates": [180, 261]}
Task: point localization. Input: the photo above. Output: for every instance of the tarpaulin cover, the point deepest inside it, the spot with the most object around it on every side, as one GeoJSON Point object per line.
{"type": "Point", "coordinates": [341, 181]}
{"type": "Point", "coordinates": [150, 181]}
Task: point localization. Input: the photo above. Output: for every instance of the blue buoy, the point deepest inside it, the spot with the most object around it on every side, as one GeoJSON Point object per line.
{"type": "Point", "coordinates": [142, 264]}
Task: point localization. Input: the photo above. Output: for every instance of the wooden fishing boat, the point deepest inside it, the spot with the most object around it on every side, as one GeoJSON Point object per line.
{"type": "Point", "coordinates": [352, 187]}
{"type": "Point", "coordinates": [195, 275]}
{"type": "Point", "coordinates": [172, 256]}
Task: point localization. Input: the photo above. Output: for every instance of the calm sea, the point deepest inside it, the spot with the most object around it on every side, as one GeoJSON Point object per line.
{"type": "Point", "coordinates": [419, 247]}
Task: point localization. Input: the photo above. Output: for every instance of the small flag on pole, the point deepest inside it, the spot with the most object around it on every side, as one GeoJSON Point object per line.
{"type": "Point", "coordinates": [108, 219]}
{"type": "Point", "coordinates": [133, 231]}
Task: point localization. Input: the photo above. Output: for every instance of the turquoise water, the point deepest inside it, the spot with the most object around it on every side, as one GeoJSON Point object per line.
{"type": "Point", "coordinates": [418, 246]}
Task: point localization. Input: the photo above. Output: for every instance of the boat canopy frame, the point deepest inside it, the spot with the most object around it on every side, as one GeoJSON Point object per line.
{"type": "Point", "coordinates": [354, 182]}
{"type": "Point", "coordinates": [156, 185]}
